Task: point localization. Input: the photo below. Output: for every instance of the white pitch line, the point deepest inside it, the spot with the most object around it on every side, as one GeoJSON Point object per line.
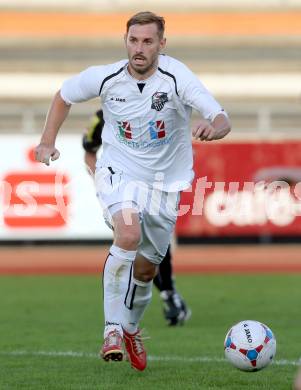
{"type": "Point", "coordinates": [181, 359]}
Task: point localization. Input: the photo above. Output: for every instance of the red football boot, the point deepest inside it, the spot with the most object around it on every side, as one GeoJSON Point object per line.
{"type": "Point", "coordinates": [112, 347]}
{"type": "Point", "coordinates": [135, 349]}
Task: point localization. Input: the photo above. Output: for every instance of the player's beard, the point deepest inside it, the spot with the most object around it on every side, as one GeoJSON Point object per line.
{"type": "Point", "coordinates": [146, 68]}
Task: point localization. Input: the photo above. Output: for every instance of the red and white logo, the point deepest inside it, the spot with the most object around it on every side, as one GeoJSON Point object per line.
{"type": "Point", "coordinates": [35, 198]}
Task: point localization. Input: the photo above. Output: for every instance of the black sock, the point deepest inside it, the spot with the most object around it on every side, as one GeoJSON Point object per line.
{"type": "Point", "coordinates": [164, 280]}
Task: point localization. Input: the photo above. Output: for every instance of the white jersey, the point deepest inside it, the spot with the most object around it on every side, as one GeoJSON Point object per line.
{"type": "Point", "coordinates": [147, 123]}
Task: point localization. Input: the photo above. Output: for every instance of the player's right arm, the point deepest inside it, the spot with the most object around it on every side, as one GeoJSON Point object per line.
{"type": "Point", "coordinates": [57, 113]}
{"type": "Point", "coordinates": [79, 88]}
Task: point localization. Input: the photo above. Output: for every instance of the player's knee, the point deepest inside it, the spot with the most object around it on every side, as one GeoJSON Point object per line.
{"type": "Point", "coordinates": [145, 275]}
{"type": "Point", "coordinates": [128, 239]}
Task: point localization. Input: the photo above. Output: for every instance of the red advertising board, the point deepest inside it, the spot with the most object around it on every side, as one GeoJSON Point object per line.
{"type": "Point", "coordinates": [28, 207]}
{"type": "Point", "coordinates": [36, 199]}
{"type": "Point", "coordinates": [243, 189]}
{"type": "Point", "coordinates": [55, 202]}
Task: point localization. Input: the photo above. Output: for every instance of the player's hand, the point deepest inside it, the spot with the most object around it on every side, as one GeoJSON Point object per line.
{"type": "Point", "coordinates": [204, 131]}
{"type": "Point", "coordinates": [43, 153]}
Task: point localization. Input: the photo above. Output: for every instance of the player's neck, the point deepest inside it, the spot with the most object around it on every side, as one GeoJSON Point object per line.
{"type": "Point", "coordinates": [144, 76]}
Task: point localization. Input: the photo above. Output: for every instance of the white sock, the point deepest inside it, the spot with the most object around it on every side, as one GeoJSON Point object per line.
{"type": "Point", "coordinates": [115, 283]}
{"type": "Point", "coordinates": [137, 298]}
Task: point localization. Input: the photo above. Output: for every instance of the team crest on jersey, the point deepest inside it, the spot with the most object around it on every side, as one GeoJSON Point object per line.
{"type": "Point", "coordinates": [158, 100]}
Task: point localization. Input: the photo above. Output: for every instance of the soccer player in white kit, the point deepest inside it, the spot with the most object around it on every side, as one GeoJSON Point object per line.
{"type": "Point", "coordinates": [147, 101]}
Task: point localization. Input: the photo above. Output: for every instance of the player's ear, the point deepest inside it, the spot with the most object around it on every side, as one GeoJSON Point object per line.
{"type": "Point", "coordinates": [162, 44]}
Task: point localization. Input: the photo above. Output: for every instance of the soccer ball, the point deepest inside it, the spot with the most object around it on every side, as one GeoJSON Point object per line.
{"type": "Point", "coordinates": [250, 345]}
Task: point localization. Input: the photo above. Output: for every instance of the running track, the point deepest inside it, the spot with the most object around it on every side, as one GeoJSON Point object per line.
{"type": "Point", "coordinates": [187, 259]}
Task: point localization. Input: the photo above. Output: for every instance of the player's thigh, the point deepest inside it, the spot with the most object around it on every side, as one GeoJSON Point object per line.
{"type": "Point", "coordinates": [157, 229]}
{"type": "Point", "coordinates": [126, 225]}
{"type": "Point", "coordinates": [109, 185]}
{"type": "Point", "coordinates": [113, 194]}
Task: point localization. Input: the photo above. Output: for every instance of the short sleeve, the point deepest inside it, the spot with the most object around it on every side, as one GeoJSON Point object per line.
{"type": "Point", "coordinates": [83, 86]}
{"type": "Point", "coordinates": [194, 94]}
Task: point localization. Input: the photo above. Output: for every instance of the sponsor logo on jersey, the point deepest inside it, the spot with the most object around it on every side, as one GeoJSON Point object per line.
{"type": "Point", "coordinates": [118, 99]}
{"type": "Point", "coordinates": [156, 135]}
{"type": "Point", "coordinates": [125, 129]}
{"type": "Point", "coordinates": [146, 144]}
{"type": "Point", "coordinates": [156, 129]}
{"type": "Point", "coordinates": [158, 100]}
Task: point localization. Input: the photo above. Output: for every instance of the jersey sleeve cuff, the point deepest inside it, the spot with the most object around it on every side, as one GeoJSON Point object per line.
{"type": "Point", "coordinates": [213, 115]}
{"type": "Point", "coordinates": [66, 100]}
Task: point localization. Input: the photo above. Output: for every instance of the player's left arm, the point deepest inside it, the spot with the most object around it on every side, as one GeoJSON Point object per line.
{"type": "Point", "coordinates": [215, 123]}
{"type": "Point", "coordinates": [209, 131]}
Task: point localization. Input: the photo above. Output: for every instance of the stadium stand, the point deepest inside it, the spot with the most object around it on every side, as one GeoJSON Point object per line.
{"type": "Point", "coordinates": [250, 59]}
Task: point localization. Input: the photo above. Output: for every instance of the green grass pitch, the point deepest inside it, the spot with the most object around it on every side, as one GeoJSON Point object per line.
{"type": "Point", "coordinates": [51, 331]}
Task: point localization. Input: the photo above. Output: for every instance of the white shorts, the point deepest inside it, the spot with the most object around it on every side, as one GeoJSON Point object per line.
{"type": "Point", "coordinates": [157, 209]}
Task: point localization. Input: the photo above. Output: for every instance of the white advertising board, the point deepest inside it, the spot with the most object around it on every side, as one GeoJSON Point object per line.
{"type": "Point", "coordinates": [55, 202]}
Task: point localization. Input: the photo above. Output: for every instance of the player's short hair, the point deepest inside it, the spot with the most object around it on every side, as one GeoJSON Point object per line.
{"type": "Point", "coordinates": [147, 17]}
